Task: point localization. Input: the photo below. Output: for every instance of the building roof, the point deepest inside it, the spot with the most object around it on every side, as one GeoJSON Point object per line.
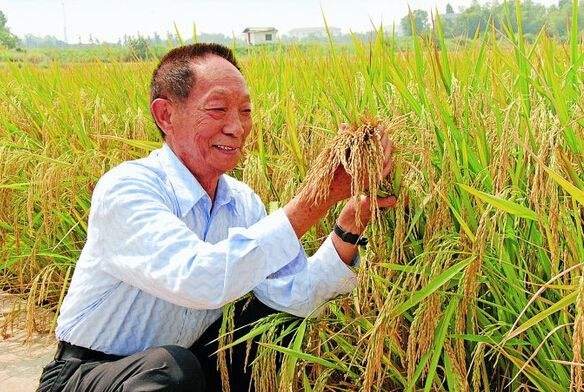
{"type": "Point", "coordinates": [259, 29]}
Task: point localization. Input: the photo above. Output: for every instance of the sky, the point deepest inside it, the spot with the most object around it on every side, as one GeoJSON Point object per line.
{"type": "Point", "coordinates": [109, 20]}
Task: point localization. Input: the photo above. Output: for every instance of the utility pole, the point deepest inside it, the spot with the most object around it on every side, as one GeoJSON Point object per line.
{"type": "Point", "coordinates": [64, 21]}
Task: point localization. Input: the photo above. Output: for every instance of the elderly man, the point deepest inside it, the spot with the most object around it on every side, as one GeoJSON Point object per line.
{"type": "Point", "coordinates": [172, 238]}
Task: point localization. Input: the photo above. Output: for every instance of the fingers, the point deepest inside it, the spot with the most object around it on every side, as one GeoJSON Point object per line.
{"type": "Point", "coordinates": [340, 187]}
{"type": "Point", "coordinates": [387, 146]}
{"type": "Point", "coordinates": [382, 202]}
{"type": "Point", "coordinates": [387, 202]}
{"type": "Point", "coordinates": [387, 163]}
{"type": "Point", "coordinates": [343, 127]}
{"type": "Point", "coordinates": [383, 132]}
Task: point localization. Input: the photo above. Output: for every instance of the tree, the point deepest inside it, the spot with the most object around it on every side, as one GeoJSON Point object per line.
{"type": "Point", "coordinates": [139, 47]}
{"type": "Point", "coordinates": [420, 18]}
{"type": "Point", "coordinates": [564, 3]}
{"type": "Point", "coordinates": [7, 39]}
{"type": "Point", "coordinates": [534, 17]}
{"type": "Point", "coordinates": [31, 41]}
{"type": "Point", "coordinates": [560, 17]}
{"type": "Point", "coordinates": [556, 19]}
{"type": "Point", "coordinates": [472, 19]}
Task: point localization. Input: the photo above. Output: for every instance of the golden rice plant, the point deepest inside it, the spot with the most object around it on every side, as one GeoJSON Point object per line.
{"type": "Point", "coordinates": [475, 284]}
{"type": "Point", "coordinates": [358, 150]}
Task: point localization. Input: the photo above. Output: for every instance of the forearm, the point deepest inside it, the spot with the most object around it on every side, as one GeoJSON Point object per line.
{"type": "Point", "coordinates": [187, 271]}
{"type": "Point", "coordinates": [347, 252]}
{"type": "Point", "coordinates": [303, 215]}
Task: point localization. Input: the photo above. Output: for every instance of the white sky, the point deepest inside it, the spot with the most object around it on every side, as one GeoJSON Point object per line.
{"type": "Point", "coordinates": [109, 20]}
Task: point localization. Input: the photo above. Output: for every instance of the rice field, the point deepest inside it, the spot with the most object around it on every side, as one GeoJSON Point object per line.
{"type": "Point", "coordinates": [475, 284]}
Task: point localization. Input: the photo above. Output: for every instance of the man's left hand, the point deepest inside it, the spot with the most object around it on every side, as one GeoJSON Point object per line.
{"type": "Point", "coordinates": [348, 217]}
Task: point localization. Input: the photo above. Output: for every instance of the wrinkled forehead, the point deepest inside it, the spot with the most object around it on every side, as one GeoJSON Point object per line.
{"type": "Point", "coordinates": [218, 91]}
{"type": "Point", "coordinates": [217, 74]}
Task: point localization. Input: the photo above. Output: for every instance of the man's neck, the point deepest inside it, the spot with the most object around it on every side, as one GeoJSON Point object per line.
{"type": "Point", "coordinates": [208, 180]}
{"type": "Point", "coordinates": [208, 184]}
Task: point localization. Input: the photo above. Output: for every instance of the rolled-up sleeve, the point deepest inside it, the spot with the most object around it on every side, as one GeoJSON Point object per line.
{"type": "Point", "coordinates": [143, 243]}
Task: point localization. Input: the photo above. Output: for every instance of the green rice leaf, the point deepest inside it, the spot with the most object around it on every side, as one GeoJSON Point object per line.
{"type": "Point", "coordinates": [439, 338]}
{"type": "Point", "coordinates": [302, 355]}
{"type": "Point", "coordinates": [561, 304]}
{"type": "Point", "coordinates": [502, 204]}
{"type": "Point", "coordinates": [296, 346]}
{"type": "Point", "coordinates": [576, 193]}
{"type": "Point", "coordinates": [434, 284]}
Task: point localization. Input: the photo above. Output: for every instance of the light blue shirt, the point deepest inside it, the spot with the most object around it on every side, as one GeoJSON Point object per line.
{"type": "Point", "coordinates": [161, 259]}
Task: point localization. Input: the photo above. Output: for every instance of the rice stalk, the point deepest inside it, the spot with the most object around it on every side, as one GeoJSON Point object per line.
{"type": "Point", "coordinates": [576, 369]}
{"type": "Point", "coordinates": [358, 150]}
{"type": "Point", "coordinates": [225, 338]}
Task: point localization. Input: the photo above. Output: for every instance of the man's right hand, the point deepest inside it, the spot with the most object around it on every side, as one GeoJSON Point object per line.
{"type": "Point", "coordinates": [340, 188]}
{"type": "Point", "coordinates": [303, 215]}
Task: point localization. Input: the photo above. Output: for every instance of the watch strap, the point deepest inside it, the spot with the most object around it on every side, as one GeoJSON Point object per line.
{"type": "Point", "coordinates": [351, 238]}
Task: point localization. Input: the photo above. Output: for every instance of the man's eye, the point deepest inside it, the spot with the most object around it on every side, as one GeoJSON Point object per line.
{"type": "Point", "coordinates": [222, 110]}
{"type": "Point", "coordinates": [246, 111]}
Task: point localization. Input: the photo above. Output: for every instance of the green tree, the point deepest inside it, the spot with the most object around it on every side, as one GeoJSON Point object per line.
{"type": "Point", "coordinates": [420, 18]}
{"type": "Point", "coordinates": [559, 18]}
{"type": "Point", "coordinates": [139, 47]}
{"type": "Point", "coordinates": [7, 39]}
{"type": "Point", "coordinates": [555, 19]}
{"type": "Point", "coordinates": [534, 17]}
{"type": "Point", "coordinates": [472, 19]}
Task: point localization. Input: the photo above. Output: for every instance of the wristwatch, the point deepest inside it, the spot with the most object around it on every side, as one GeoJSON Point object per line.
{"type": "Point", "coordinates": [351, 238]}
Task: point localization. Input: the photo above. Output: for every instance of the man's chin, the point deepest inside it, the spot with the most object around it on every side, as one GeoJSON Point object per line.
{"type": "Point", "coordinates": [225, 168]}
{"type": "Point", "coordinates": [227, 164]}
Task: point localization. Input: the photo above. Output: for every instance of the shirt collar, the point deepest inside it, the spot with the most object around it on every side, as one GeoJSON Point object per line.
{"type": "Point", "coordinates": [187, 188]}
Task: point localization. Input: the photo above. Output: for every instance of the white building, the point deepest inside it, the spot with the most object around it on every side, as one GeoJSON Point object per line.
{"type": "Point", "coordinates": [259, 35]}
{"type": "Point", "coordinates": [313, 32]}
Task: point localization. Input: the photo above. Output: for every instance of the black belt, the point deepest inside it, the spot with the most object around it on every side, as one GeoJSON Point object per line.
{"type": "Point", "coordinates": [67, 350]}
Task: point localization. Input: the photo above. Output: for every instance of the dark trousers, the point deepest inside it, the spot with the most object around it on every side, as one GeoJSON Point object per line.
{"type": "Point", "coordinates": [166, 368]}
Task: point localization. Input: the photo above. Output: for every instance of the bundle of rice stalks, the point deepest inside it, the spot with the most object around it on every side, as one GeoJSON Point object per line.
{"type": "Point", "coordinates": [357, 148]}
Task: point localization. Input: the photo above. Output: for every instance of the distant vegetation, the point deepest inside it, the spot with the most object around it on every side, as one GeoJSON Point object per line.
{"type": "Point", "coordinates": [467, 22]}
{"type": "Point", "coordinates": [458, 26]}
{"type": "Point", "coordinates": [7, 39]}
{"type": "Point", "coordinates": [476, 284]}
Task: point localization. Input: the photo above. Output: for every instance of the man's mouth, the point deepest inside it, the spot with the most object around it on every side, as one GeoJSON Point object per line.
{"type": "Point", "coordinates": [225, 148]}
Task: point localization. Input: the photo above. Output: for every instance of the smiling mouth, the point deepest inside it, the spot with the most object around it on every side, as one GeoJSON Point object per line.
{"type": "Point", "coordinates": [225, 148]}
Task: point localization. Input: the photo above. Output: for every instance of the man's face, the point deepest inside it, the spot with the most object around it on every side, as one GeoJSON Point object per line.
{"type": "Point", "coordinates": [209, 129]}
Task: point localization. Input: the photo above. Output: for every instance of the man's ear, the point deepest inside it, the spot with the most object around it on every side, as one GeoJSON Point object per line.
{"type": "Point", "coordinates": [161, 110]}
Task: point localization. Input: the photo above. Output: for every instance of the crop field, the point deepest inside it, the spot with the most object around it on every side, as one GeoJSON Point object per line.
{"type": "Point", "coordinates": [475, 284]}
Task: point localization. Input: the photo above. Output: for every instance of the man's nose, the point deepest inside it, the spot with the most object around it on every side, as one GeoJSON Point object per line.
{"type": "Point", "coordinates": [233, 125]}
